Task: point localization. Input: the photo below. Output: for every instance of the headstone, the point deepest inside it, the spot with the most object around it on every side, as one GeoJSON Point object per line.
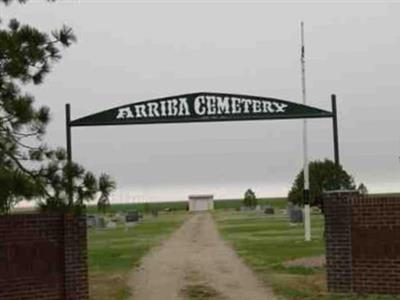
{"type": "Point", "coordinates": [269, 210]}
{"type": "Point", "coordinates": [119, 217]}
{"type": "Point", "coordinates": [295, 214]}
{"type": "Point", "coordinates": [111, 225]}
{"type": "Point", "coordinates": [132, 216]}
{"type": "Point", "coordinates": [91, 221]}
{"type": "Point", "coordinates": [95, 221]}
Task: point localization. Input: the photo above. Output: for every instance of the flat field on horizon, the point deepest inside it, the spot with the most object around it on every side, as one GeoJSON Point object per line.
{"type": "Point", "coordinates": [183, 205]}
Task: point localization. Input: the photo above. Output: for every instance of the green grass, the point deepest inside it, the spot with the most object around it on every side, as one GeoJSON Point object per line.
{"type": "Point", "coordinates": [114, 252]}
{"type": "Point", "coordinates": [266, 242]}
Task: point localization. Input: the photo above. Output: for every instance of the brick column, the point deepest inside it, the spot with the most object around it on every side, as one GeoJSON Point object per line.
{"type": "Point", "coordinates": [75, 258]}
{"type": "Point", "coordinates": [376, 245]}
{"type": "Point", "coordinates": [338, 220]}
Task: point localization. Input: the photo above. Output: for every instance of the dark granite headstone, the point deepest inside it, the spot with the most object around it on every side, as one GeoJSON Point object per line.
{"type": "Point", "coordinates": [295, 214]}
{"type": "Point", "coordinates": [132, 216]}
{"type": "Point", "coordinates": [269, 210]}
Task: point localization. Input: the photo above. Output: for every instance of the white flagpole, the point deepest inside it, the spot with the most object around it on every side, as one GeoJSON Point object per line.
{"type": "Point", "coordinates": [306, 195]}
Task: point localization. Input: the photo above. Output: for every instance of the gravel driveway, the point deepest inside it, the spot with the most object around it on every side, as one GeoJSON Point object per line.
{"type": "Point", "coordinates": [195, 263]}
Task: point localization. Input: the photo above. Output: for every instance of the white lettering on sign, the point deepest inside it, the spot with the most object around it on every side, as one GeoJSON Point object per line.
{"type": "Point", "coordinates": [124, 113]}
{"type": "Point", "coordinates": [223, 106]}
{"type": "Point", "coordinates": [153, 111]}
{"type": "Point", "coordinates": [280, 107]}
{"type": "Point", "coordinates": [204, 105]}
{"type": "Point", "coordinates": [199, 106]}
{"type": "Point", "coordinates": [211, 105]}
{"type": "Point", "coordinates": [235, 105]}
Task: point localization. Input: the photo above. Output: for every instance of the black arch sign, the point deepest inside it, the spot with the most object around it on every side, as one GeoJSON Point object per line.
{"type": "Point", "coordinates": [203, 107]}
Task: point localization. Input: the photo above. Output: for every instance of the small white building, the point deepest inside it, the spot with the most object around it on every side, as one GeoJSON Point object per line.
{"type": "Point", "coordinates": [201, 202]}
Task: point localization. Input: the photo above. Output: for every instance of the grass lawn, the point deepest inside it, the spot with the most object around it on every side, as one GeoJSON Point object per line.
{"type": "Point", "coordinates": [266, 242]}
{"type": "Point", "coordinates": [114, 252]}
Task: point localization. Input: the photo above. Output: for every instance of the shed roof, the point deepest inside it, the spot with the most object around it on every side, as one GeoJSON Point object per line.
{"type": "Point", "coordinates": [201, 197]}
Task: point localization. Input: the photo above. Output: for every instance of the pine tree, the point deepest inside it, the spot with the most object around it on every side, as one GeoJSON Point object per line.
{"type": "Point", "coordinates": [250, 199]}
{"type": "Point", "coordinates": [27, 55]}
{"type": "Point", "coordinates": [362, 189]}
{"type": "Point", "coordinates": [324, 176]}
{"type": "Point", "coordinates": [106, 186]}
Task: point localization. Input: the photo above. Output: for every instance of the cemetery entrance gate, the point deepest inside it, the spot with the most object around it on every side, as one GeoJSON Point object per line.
{"type": "Point", "coordinates": [203, 107]}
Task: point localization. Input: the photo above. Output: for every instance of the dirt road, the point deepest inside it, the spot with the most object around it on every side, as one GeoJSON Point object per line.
{"type": "Point", "coordinates": [195, 263]}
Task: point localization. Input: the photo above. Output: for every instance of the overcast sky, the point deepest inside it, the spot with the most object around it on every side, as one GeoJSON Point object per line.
{"type": "Point", "coordinates": [131, 51]}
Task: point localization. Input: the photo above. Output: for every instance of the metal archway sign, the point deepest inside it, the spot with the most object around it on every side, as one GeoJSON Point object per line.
{"type": "Point", "coordinates": [203, 107]}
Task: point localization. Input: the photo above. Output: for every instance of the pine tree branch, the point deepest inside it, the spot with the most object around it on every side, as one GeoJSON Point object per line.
{"type": "Point", "coordinates": [34, 176]}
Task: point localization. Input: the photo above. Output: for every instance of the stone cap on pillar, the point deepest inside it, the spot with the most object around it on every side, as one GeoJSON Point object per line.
{"type": "Point", "coordinates": [341, 192]}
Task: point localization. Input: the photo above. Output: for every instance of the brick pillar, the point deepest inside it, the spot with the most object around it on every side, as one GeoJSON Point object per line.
{"type": "Point", "coordinates": [376, 245]}
{"type": "Point", "coordinates": [75, 262]}
{"type": "Point", "coordinates": [338, 220]}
